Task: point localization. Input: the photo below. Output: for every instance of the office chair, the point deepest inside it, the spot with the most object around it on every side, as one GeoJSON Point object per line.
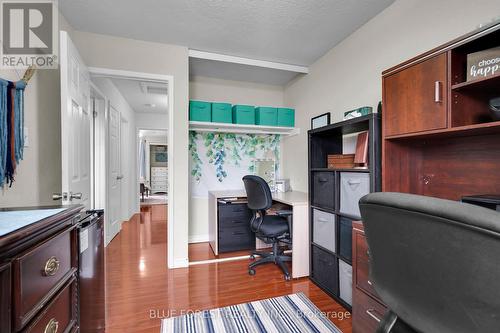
{"type": "Point", "coordinates": [272, 229]}
{"type": "Point", "coordinates": [434, 263]}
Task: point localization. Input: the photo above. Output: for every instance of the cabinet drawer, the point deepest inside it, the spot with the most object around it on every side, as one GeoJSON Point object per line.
{"type": "Point", "coordinates": [324, 229]}
{"type": "Point", "coordinates": [235, 222]}
{"type": "Point", "coordinates": [363, 266]}
{"type": "Point", "coordinates": [38, 273]}
{"type": "Point", "coordinates": [345, 281]}
{"type": "Point", "coordinates": [325, 270]}
{"type": "Point", "coordinates": [59, 315]}
{"type": "Point", "coordinates": [235, 239]}
{"type": "Point", "coordinates": [366, 313]}
{"type": "Point", "coordinates": [324, 190]}
{"type": "Point", "coordinates": [353, 186]}
{"type": "Point", "coordinates": [234, 210]}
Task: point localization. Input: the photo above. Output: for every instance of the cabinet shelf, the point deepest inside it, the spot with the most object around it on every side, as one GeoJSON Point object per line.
{"type": "Point", "coordinates": [468, 130]}
{"type": "Point", "coordinates": [489, 83]}
{"type": "Point", "coordinates": [200, 126]}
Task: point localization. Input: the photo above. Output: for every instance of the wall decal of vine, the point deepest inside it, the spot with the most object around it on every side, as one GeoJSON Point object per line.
{"type": "Point", "coordinates": [222, 149]}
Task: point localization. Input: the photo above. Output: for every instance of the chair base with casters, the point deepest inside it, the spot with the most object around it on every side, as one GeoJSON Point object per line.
{"type": "Point", "coordinates": [272, 229]}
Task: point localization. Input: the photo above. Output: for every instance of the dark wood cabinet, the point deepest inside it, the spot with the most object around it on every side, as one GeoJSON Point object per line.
{"type": "Point", "coordinates": [415, 97]}
{"type": "Point", "coordinates": [39, 274]}
{"type": "Point", "coordinates": [367, 309]}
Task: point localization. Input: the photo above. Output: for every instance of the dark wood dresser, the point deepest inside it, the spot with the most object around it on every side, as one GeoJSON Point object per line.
{"type": "Point", "coordinates": [38, 272]}
{"type": "Point", "coordinates": [367, 309]}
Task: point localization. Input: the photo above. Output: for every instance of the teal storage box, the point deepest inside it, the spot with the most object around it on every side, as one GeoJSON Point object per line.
{"type": "Point", "coordinates": [266, 116]}
{"type": "Point", "coordinates": [222, 113]}
{"type": "Point", "coordinates": [286, 117]}
{"type": "Point", "coordinates": [244, 114]}
{"type": "Point", "coordinates": [200, 111]}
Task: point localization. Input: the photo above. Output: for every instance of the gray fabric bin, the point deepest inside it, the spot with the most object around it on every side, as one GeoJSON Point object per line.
{"type": "Point", "coordinates": [353, 186]}
{"type": "Point", "coordinates": [324, 229]}
{"type": "Point", "coordinates": [345, 281]}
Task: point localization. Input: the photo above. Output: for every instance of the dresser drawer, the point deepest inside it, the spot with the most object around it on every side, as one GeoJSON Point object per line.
{"type": "Point", "coordinates": [363, 266]}
{"type": "Point", "coordinates": [235, 222]}
{"type": "Point", "coordinates": [366, 313]}
{"type": "Point", "coordinates": [353, 186]}
{"type": "Point", "coordinates": [59, 315]}
{"type": "Point", "coordinates": [38, 273]}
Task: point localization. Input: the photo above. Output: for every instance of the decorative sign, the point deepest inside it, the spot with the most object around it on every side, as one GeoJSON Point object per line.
{"type": "Point", "coordinates": [483, 64]}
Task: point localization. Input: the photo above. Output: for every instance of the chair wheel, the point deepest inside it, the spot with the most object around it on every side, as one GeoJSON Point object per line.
{"type": "Point", "coordinates": [252, 257]}
{"type": "Point", "coordinates": [288, 277]}
{"type": "Point", "coordinates": [251, 271]}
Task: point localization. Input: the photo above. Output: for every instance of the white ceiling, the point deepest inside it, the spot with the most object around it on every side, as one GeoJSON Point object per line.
{"type": "Point", "coordinates": [289, 31]}
{"type": "Point", "coordinates": [138, 97]}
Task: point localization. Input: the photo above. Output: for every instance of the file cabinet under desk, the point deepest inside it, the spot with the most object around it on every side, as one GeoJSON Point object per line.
{"type": "Point", "coordinates": [234, 227]}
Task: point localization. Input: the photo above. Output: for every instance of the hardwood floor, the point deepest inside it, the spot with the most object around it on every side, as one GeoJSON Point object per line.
{"type": "Point", "coordinates": [203, 251]}
{"type": "Point", "coordinates": [141, 290]}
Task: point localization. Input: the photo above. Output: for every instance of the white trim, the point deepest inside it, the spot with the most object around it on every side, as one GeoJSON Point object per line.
{"type": "Point", "coordinates": [199, 239]}
{"type": "Point", "coordinates": [169, 79]}
{"type": "Point", "coordinates": [213, 261]}
{"type": "Point", "coordinates": [180, 263]}
{"type": "Point", "coordinates": [247, 61]}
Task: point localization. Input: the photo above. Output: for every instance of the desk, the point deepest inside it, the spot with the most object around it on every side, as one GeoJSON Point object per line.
{"type": "Point", "coordinates": [300, 230]}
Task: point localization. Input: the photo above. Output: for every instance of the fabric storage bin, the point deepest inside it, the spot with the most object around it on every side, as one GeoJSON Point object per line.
{"type": "Point", "coordinates": [325, 270]}
{"type": "Point", "coordinates": [244, 114]}
{"type": "Point", "coordinates": [266, 116]}
{"type": "Point", "coordinates": [324, 190]}
{"type": "Point", "coordinates": [353, 186]}
{"type": "Point", "coordinates": [222, 113]}
{"type": "Point", "coordinates": [286, 117]}
{"type": "Point", "coordinates": [345, 282]}
{"type": "Point", "coordinates": [345, 246]}
{"type": "Point", "coordinates": [324, 229]}
{"type": "Point", "coordinates": [200, 111]}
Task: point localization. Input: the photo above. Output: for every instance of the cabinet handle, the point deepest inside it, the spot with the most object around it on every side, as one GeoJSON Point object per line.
{"type": "Point", "coordinates": [370, 313]}
{"type": "Point", "coordinates": [236, 233]}
{"type": "Point", "coordinates": [370, 283]}
{"type": "Point", "coordinates": [323, 180]}
{"type": "Point", "coordinates": [51, 266]}
{"type": "Point", "coordinates": [52, 326]}
{"type": "Point", "coordinates": [437, 92]}
{"type": "Point", "coordinates": [353, 182]}
{"type": "Point", "coordinates": [322, 220]}
{"type": "Point", "coordinates": [238, 222]}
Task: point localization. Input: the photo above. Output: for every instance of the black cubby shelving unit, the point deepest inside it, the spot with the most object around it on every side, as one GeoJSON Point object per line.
{"type": "Point", "coordinates": [323, 142]}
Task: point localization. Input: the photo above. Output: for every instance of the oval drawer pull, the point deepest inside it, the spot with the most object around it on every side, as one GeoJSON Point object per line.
{"type": "Point", "coordinates": [353, 182]}
{"type": "Point", "coordinates": [52, 326]}
{"type": "Point", "coordinates": [374, 317]}
{"type": "Point", "coordinates": [323, 180]}
{"type": "Point", "coordinates": [51, 266]}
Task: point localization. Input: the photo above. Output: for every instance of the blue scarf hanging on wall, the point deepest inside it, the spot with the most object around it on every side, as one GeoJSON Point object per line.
{"type": "Point", "coordinates": [11, 128]}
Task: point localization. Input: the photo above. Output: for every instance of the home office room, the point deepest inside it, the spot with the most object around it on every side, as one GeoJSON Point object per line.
{"type": "Point", "coordinates": [249, 166]}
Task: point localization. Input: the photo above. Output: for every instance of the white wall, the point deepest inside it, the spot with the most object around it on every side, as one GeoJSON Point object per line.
{"type": "Point", "coordinates": [130, 206]}
{"type": "Point", "coordinates": [151, 120]}
{"type": "Point", "coordinates": [234, 92]}
{"type": "Point", "coordinates": [140, 56]}
{"type": "Point", "coordinates": [349, 75]}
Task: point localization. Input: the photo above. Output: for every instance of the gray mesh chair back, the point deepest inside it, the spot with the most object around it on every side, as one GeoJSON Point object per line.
{"type": "Point", "coordinates": [435, 263]}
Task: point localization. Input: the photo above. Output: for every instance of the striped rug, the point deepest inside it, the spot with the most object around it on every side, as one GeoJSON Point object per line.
{"type": "Point", "coordinates": [293, 313]}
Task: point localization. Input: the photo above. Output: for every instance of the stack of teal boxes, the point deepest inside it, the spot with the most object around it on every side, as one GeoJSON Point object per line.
{"type": "Point", "coordinates": [241, 114]}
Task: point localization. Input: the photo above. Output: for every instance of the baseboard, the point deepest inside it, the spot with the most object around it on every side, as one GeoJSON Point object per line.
{"type": "Point", "coordinates": [198, 239]}
{"type": "Point", "coordinates": [180, 263]}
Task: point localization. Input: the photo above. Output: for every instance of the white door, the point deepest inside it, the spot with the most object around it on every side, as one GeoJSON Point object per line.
{"type": "Point", "coordinates": [114, 175]}
{"type": "Point", "coordinates": [76, 122]}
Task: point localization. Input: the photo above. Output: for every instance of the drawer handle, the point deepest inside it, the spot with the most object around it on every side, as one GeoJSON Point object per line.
{"type": "Point", "coordinates": [353, 182]}
{"type": "Point", "coordinates": [322, 220]}
{"type": "Point", "coordinates": [52, 326]}
{"type": "Point", "coordinates": [370, 313]}
{"type": "Point", "coordinates": [370, 283]}
{"type": "Point", "coordinates": [236, 233]}
{"type": "Point", "coordinates": [323, 180]}
{"type": "Point", "coordinates": [51, 266]}
{"type": "Point", "coordinates": [238, 222]}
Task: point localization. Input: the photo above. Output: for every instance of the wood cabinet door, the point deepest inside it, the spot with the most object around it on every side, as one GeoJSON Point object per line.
{"type": "Point", "coordinates": [415, 98]}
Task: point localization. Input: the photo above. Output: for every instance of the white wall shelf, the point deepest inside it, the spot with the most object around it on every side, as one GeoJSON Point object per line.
{"type": "Point", "coordinates": [200, 126]}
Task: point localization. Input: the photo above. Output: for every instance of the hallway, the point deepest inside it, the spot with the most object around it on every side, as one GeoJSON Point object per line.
{"type": "Point", "coordinates": [141, 290]}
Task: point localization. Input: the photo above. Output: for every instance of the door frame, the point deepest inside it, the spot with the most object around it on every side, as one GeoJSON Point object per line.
{"type": "Point", "coordinates": [169, 80]}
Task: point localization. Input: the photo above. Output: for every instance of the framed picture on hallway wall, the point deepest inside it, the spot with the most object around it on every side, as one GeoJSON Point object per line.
{"type": "Point", "coordinates": [320, 121]}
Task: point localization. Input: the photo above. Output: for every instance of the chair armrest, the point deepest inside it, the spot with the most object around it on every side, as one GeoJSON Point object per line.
{"type": "Point", "coordinates": [284, 213]}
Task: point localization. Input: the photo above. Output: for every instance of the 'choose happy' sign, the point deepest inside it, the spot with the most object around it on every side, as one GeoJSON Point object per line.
{"type": "Point", "coordinates": [483, 64]}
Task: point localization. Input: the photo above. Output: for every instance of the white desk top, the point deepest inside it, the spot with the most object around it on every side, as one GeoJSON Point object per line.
{"type": "Point", "coordinates": [292, 198]}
